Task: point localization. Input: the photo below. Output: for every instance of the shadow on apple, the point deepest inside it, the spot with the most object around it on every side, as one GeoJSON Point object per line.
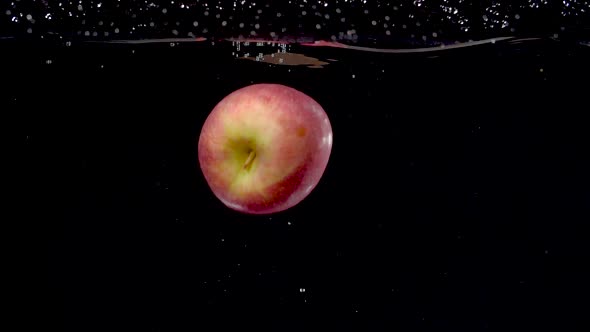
{"type": "Point", "coordinates": [264, 148]}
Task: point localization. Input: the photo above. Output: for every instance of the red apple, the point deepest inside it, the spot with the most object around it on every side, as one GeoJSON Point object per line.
{"type": "Point", "coordinates": [264, 148]}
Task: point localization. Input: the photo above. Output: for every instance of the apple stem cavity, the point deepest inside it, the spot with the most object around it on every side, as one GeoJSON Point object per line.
{"type": "Point", "coordinates": [250, 159]}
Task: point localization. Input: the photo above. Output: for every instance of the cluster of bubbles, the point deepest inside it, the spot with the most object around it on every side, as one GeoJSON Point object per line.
{"type": "Point", "coordinates": [420, 20]}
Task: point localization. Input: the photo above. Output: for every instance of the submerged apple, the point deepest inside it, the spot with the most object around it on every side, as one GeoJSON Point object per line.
{"type": "Point", "coordinates": [264, 148]}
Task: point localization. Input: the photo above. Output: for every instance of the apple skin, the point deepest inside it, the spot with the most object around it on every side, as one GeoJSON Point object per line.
{"type": "Point", "coordinates": [264, 148]}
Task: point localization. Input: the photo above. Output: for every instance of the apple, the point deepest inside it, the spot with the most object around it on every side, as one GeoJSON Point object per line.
{"type": "Point", "coordinates": [264, 148]}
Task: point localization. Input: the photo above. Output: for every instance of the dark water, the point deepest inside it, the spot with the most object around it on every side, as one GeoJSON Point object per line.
{"type": "Point", "coordinates": [456, 197]}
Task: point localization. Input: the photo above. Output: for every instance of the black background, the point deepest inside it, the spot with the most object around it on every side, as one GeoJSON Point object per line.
{"type": "Point", "coordinates": [455, 199]}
